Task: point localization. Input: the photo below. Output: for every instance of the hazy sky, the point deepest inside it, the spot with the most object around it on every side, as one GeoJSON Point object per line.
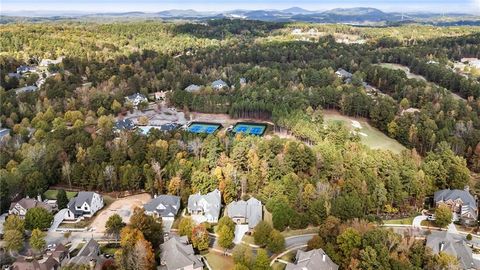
{"type": "Point", "coordinates": [468, 6]}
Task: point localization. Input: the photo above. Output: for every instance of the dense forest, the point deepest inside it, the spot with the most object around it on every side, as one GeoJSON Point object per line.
{"type": "Point", "coordinates": [63, 133]}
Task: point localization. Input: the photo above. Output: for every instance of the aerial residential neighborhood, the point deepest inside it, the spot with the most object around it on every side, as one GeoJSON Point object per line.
{"type": "Point", "coordinates": [239, 135]}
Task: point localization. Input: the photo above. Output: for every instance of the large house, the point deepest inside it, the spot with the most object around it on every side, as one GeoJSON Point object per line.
{"type": "Point", "coordinates": [165, 207]}
{"type": "Point", "coordinates": [136, 99]}
{"type": "Point", "coordinates": [177, 254]}
{"type": "Point", "coordinates": [246, 212]}
{"type": "Point", "coordinates": [461, 202]}
{"type": "Point", "coordinates": [86, 204]}
{"type": "Point", "coordinates": [26, 89]}
{"type": "Point", "coordinates": [193, 88]}
{"type": "Point", "coordinates": [342, 73]}
{"type": "Point", "coordinates": [205, 207]}
{"type": "Point", "coordinates": [46, 62]}
{"type": "Point", "coordinates": [453, 245]}
{"type": "Point", "coordinates": [21, 207]}
{"type": "Point", "coordinates": [88, 256]}
{"type": "Point", "coordinates": [315, 259]}
{"type": "Point", "coordinates": [312, 260]}
{"type": "Point", "coordinates": [219, 84]}
{"type": "Point", "coordinates": [52, 260]}
{"type": "Point", "coordinates": [124, 124]}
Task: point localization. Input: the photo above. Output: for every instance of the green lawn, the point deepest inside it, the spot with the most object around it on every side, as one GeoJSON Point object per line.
{"type": "Point", "coordinates": [288, 233]}
{"type": "Point", "coordinates": [51, 194]}
{"type": "Point", "coordinates": [370, 136]}
{"type": "Point", "coordinates": [109, 249]}
{"type": "Point", "coordinates": [219, 262]}
{"type": "Point", "coordinates": [402, 221]}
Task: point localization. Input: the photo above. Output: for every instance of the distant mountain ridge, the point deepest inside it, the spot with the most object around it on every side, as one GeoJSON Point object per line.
{"type": "Point", "coordinates": [358, 15]}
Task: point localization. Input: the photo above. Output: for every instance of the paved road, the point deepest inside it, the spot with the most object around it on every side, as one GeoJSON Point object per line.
{"type": "Point", "coordinates": [298, 240]}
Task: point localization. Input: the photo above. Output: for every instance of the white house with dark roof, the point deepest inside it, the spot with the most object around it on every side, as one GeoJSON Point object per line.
{"type": "Point", "coordinates": [453, 245]}
{"type": "Point", "coordinates": [86, 204]}
{"type": "Point", "coordinates": [165, 207]}
{"type": "Point", "coordinates": [177, 254]}
{"type": "Point", "coordinates": [246, 212]}
{"type": "Point", "coordinates": [461, 202]}
{"type": "Point", "coordinates": [136, 99]}
{"type": "Point", "coordinates": [205, 208]}
{"type": "Point", "coordinates": [219, 84]}
{"type": "Point", "coordinates": [315, 259]}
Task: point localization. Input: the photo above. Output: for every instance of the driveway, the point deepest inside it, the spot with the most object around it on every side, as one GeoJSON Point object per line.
{"type": "Point", "coordinates": [57, 219]}
{"type": "Point", "coordinates": [417, 221]}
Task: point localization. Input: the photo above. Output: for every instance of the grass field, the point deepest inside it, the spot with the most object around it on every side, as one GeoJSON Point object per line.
{"type": "Point", "coordinates": [51, 194]}
{"type": "Point", "coordinates": [369, 135]}
{"type": "Point", "coordinates": [219, 262]}
{"type": "Point", "coordinates": [402, 221]}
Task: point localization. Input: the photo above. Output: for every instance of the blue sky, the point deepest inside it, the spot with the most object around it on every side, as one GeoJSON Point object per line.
{"type": "Point", "coordinates": [468, 6]}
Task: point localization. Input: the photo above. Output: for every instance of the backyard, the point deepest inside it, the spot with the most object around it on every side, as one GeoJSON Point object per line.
{"type": "Point", "coordinates": [51, 194]}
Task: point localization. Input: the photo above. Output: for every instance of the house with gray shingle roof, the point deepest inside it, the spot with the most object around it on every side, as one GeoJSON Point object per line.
{"type": "Point", "coordinates": [21, 207]}
{"type": "Point", "coordinates": [193, 88]}
{"type": "Point", "coordinates": [177, 254]}
{"type": "Point", "coordinates": [26, 89]}
{"type": "Point", "coordinates": [342, 73]}
{"type": "Point", "coordinates": [4, 132]}
{"type": "Point", "coordinates": [205, 207]}
{"type": "Point", "coordinates": [90, 253]}
{"type": "Point", "coordinates": [165, 207]}
{"type": "Point", "coordinates": [124, 124]}
{"type": "Point", "coordinates": [219, 84]}
{"type": "Point", "coordinates": [86, 204]}
{"type": "Point", "coordinates": [246, 212]}
{"type": "Point", "coordinates": [453, 245]}
{"type": "Point", "coordinates": [461, 202]}
{"type": "Point", "coordinates": [315, 259]}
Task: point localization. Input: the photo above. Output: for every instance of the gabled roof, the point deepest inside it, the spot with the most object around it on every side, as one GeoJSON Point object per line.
{"type": "Point", "coordinates": [457, 247]}
{"type": "Point", "coordinates": [219, 84]}
{"type": "Point", "coordinates": [251, 210]}
{"type": "Point", "coordinates": [91, 251]}
{"type": "Point", "coordinates": [177, 254]}
{"type": "Point", "coordinates": [4, 132]}
{"type": "Point", "coordinates": [26, 89]}
{"type": "Point", "coordinates": [136, 96]}
{"type": "Point", "coordinates": [212, 200]}
{"type": "Point", "coordinates": [164, 205]}
{"type": "Point", "coordinates": [124, 124]}
{"type": "Point", "coordinates": [45, 264]}
{"type": "Point", "coordinates": [468, 200]}
{"type": "Point", "coordinates": [193, 88]}
{"type": "Point", "coordinates": [343, 73]}
{"type": "Point", "coordinates": [81, 198]}
{"type": "Point", "coordinates": [28, 203]}
{"type": "Point", "coordinates": [315, 259]}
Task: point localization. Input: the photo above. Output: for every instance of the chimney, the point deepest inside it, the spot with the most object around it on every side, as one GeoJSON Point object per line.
{"type": "Point", "coordinates": [39, 197]}
{"type": "Point", "coordinates": [442, 245]}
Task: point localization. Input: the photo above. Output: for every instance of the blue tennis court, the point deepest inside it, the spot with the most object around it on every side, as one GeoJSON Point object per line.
{"type": "Point", "coordinates": [250, 128]}
{"type": "Point", "coordinates": [206, 128]}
